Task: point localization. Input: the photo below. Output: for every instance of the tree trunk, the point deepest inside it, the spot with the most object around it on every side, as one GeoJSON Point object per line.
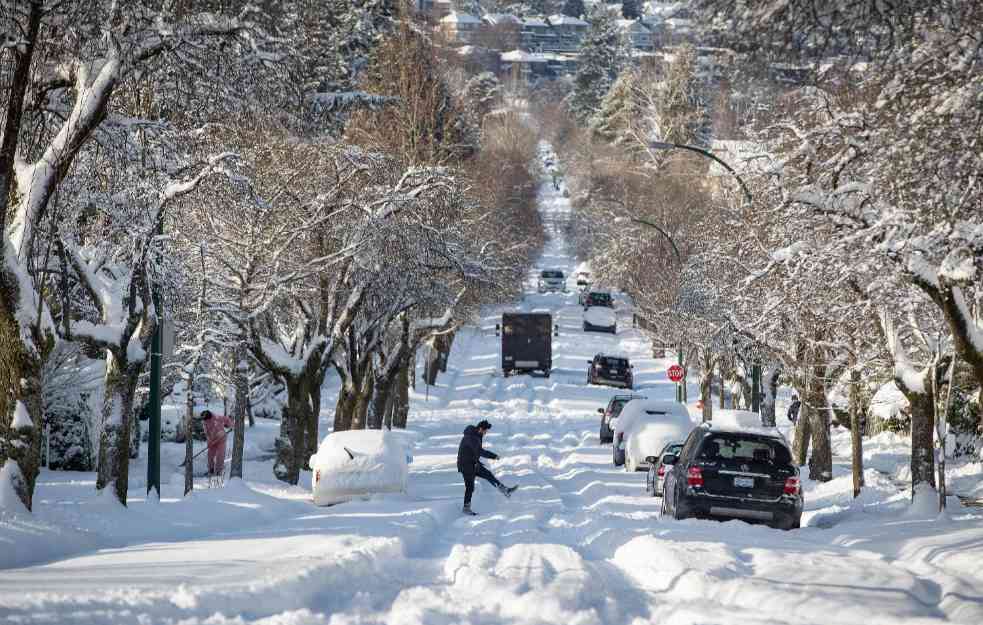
{"type": "Point", "coordinates": [382, 387]}
{"type": "Point", "coordinates": [803, 432]}
{"type": "Point", "coordinates": [769, 388]}
{"type": "Point", "coordinates": [117, 409]}
{"type": "Point", "coordinates": [401, 400]}
{"type": "Point", "coordinates": [311, 441]}
{"type": "Point", "coordinates": [821, 460]}
{"type": "Point", "coordinates": [241, 400]}
{"type": "Point", "coordinates": [344, 408]}
{"type": "Point", "coordinates": [290, 444]}
{"type": "Point", "coordinates": [856, 440]}
{"type": "Point", "coordinates": [189, 435]}
{"type": "Point", "coordinates": [362, 402]}
{"type": "Point", "coordinates": [922, 434]}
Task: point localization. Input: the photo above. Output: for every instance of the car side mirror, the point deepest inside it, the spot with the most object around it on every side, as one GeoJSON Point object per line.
{"type": "Point", "coordinates": [650, 459]}
{"type": "Point", "coordinates": [498, 329]}
{"type": "Point", "coordinates": [556, 330]}
{"type": "Point", "coordinates": [600, 411]}
{"type": "Point", "coordinates": [590, 362]}
{"type": "Point", "coordinates": [670, 459]}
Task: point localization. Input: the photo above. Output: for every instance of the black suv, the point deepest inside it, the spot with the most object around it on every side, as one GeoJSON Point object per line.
{"type": "Point", "coordinates": [611, 413]}
{"type": "Point", "coordinates": [725, 472]}
{"type": "Point", "coordinates": [610, 370]}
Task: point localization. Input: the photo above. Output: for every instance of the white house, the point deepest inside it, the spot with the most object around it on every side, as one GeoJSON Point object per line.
{"type": "Point", "coordinates": [636, 34]}
{"type": "Point", "coordinates": [460, 27]}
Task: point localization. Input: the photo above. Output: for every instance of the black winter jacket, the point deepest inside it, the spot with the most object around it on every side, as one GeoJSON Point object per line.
{"type": "Point", "coordinates": [469, 452]}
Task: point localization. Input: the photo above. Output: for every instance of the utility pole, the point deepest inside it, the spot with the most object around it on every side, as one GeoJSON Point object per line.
{"type": "Point", "coordinates": [153, 439]}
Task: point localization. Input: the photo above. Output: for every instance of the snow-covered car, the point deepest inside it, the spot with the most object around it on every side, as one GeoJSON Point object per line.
{"type": "Point", "coordinates": [552, 281]}
{"type": "Point", "coordinates": [600, 319]}
{"type": "Point", "coordinates": [610, 371]}
{"type": "Point", "coordinates": [358, 463]}
{"type": "Point", "coordinates": [645, 427]}
{"type": "Point", "coordinates": [611, 412]}
{"type": "Point", "coordinates": [656, 477]}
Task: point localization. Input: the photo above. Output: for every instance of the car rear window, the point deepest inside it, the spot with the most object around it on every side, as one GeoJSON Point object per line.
{"type": "Point", "coordinates": [614, 363]}
{"type": "Point", "coordinates": [552, 274]}
{"type": "Point", "coordinates": [744, 448]}
{"type": "Point", "coordinates": [599, 298]}
{"type": "Point", "coordinates": [617, 405]}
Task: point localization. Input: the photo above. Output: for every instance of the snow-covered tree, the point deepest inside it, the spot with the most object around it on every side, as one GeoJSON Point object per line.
{"type": "Point", "coordinates": [573, 8]}
{"type": "Point", "coordinates": [602, 55]}
{"type": "Point", "coordinates": [630, 9]}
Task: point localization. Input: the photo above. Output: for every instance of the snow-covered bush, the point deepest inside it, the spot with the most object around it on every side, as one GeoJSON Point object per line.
{"type": "Point", "coordinates": [69, 444]}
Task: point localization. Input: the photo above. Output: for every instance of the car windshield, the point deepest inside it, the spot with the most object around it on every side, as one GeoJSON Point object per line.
{"type": "Point", "coordinates": [599, 299]}
{"type": "Point", "coordinates": [616, 407]}
{"type": "Point", "coordinates": [614, 363]}
{"type": "Point", "coordinates": [673, 449]}
{"type": "Point", "coordinates": [744, 448]}
{"type": "Point", "coordinates": [551, 274]}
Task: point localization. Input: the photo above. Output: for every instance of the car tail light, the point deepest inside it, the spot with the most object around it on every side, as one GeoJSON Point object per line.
{"type": "Point", "coordinates": [792, 486]}
{"type": "Point", "coordinates": [694, 477]}
{"type": "Point", "coordinates": [317, 476]}
{"type": "Point", "coordinates": [662, 470]}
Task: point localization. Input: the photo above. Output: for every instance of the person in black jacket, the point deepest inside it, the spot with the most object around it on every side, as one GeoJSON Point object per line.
{"type": "Point", "coordinates": [793, 409]}
{"type": "Point", "coordinates": [469, 455]}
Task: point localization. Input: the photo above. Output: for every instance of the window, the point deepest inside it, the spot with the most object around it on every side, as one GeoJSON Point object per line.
{"type": "Point", "coordinates": [742, 448]}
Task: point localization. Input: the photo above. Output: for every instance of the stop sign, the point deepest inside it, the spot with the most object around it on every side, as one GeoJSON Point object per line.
{"type": "Point", "coordinates": [675, 373]}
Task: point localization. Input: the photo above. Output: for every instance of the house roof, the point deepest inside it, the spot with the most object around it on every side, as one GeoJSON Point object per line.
{"type": "Point", "coordinates": [521, 56]}
{"type": "Point", "coordinates": [501, 18]}
{"type": "Point", "coordinates": [632, 25]}
{"type": "Point", "coordinates": [459, 18]}
{"type": "Point", "coordinates": [534, 21]}
{"type": "Point", "coordinates": [565, 20]}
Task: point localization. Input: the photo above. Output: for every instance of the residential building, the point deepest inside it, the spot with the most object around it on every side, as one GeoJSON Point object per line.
{"type": "Point", "coordinates": [525, 66]}
{"type": "Point", "coordinates": [536, 35]}
{"type": "Point", "coordinates": [461, 28]}
{"type": "Point", "coordinates": [499, 31]}
{"type": "Point", "coordinates": [569, 31]}
{"type": "Point", "coordinates": [636, 35]}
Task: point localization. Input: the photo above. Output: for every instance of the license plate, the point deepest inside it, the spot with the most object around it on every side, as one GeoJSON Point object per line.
{"type": "Point", "coordinates": [744, 482]}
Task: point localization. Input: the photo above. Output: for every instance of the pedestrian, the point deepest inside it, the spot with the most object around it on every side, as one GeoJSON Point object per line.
{"type": "Point", "coordinates": [216, 429]}
{"type": "Point", "coordinates": [469, 455]}
{"type": "Point", "coordinates": [793, 409]}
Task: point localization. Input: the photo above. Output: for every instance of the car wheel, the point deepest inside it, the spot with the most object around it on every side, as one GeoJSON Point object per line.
{"type": "Point", "coordinates": [679, 511]}
{"type": "Point", "coordinates": [618, 457]}
{"type": "Point", "coordinates": [664, 508]}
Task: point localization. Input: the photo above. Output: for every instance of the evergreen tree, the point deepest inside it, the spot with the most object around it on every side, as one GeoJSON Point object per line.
{"type": "Point", "coordinates": [630, 10]}
{"type": "Point", "coordinates": [574, 8]}
{"type": "Point", "coordinates": [602, 56]}
{"type": "Point", "coordinates": [622, 113]}
{"type": "Point", "coordinates": [69, 445]}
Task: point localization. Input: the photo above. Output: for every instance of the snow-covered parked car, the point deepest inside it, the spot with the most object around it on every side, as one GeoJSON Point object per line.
{"type": "Point", "coordinates": [358, 463]}
{"type": "Point", "coordinates": [645, 427]}
{"type": "Point", "coordinates": [600, 319]}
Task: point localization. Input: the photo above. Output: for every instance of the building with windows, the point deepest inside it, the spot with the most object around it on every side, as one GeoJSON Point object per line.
{"type": "Point", "coordinates": [569, 31]}
{"type": "Point", "coordinates": [460, 28]}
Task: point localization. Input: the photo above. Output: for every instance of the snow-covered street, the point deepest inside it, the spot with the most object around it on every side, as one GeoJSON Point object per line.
{"type": "Point", "coordinates": [580, 542]}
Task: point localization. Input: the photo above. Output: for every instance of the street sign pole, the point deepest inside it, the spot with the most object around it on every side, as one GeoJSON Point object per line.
{"type": "Point", "coordinates": [756, 388]}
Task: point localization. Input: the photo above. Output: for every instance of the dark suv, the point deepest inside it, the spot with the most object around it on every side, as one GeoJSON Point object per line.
{"type": "Point", "coordinates": [610, 370]}
{"type": "Point", "coordinates": [730, 473]}
{"type": "Point", "coordinates": [611, 413]}
{"type": "Point", "coordinates": [598, 298]}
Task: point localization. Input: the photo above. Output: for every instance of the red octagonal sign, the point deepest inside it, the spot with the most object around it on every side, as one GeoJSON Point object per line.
{"type": "Point", "coordinates": [675, 373]}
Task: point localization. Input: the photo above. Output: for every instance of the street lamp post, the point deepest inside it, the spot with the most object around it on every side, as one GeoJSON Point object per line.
{"type": "Point", "coordinates": [664, 145]}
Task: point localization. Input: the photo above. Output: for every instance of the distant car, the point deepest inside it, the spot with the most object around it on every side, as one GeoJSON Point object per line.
{"type": "Point", "coordinates": [729, 471]}
{"type": "Point", "coordinates": [610, 371]}
{"type": "Point", "coordinates": [644, 428]}
{"type": "Point", "coordinates": [657, 468]}
{"type": "Point", "coordinates": [358, 463]}
{"type": "Point", "coordinates": [552, 281]}
{"type": "Point", "coordinates": [611, 412]}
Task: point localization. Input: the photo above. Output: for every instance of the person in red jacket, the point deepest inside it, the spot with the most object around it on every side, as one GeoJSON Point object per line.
{"type": "Point", "coordinates": [216, 429]}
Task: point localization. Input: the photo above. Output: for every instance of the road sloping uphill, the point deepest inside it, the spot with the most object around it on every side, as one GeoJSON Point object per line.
{"type": "Point", "coordinates": [578, 543]}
